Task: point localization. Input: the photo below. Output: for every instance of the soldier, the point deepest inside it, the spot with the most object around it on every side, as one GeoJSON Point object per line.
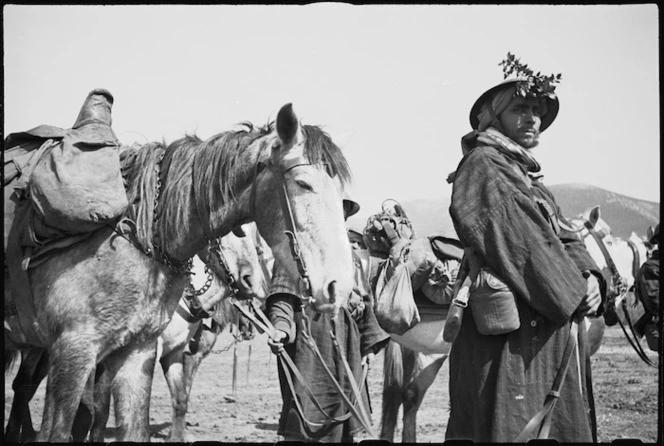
{"type": "Point", "coordinates": [534, 278]}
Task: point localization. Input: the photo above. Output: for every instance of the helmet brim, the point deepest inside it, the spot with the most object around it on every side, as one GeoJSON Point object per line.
{"type": "Point", "coordinates": [547, 119]}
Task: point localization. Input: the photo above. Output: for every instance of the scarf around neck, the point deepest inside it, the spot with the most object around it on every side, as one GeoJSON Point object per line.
{"type": "Point", "coordinates": [506, 146]}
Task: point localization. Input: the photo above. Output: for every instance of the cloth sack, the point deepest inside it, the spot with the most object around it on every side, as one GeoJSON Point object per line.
{"type": "Point", "coordinates": [395, 307]}
{"type": "Point", "coordinates": [21, 153]}
{"type": "Point", "coordinates": [77, 185]}
{"type": "Point", "coordinates": [493, 304]}
{"type": "Point", "coordinates": [420, 260]}
{"type": "Point", "coordinates": [439, 287]}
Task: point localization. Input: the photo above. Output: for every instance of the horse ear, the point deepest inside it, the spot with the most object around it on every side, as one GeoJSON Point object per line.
{"type": "Point", "coordinates": [399, 210]}
{"type": "Point", "coordinates": [287, 124]}
{"type": "Point", "coordinates": [650, 232]}
{"type": "Point", "coordinates": [594, 216]}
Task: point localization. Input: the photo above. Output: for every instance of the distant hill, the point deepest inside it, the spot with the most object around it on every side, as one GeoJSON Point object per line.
{"type": "Point", "coordinates": [623, 214]}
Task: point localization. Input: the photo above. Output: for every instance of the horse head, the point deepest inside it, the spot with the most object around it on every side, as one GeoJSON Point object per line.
{"type": "Point", "coordinates": [296, 202]}
{"type": "Point", "coordinates": [618, 259]}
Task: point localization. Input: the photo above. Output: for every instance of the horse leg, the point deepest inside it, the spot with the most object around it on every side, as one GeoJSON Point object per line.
{"type": "Point", "coordinates": [71, 360]}
{"type": "Point", "coordinates": [205, 342]}
{"type": "Point", "coordinates": [171, 364]}
{"type": "Point", "coordinates": [85, 414]}
{"type": "Point", "coordinates": [422, 376]}
{"type": "Point", "coordinates": [31, 372]}
{"type": "Point", "coordinates": [104, 375]}
{"type": "Point", "coordinates": [131, 390]}
{"type": "Point", "coordinates": [180, 368]}
{"type": "Point", "coordinates": [392, 390]}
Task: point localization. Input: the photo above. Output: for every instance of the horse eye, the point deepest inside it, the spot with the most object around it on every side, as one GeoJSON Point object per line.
{"type": "Point", "coordinates": [304, 185]}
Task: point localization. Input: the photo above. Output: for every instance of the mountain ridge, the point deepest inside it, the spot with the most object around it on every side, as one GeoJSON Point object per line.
{"type": "Point", "coordinates": [622, 213]}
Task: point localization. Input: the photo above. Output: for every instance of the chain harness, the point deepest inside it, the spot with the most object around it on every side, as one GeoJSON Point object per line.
{"type": "Point", "coordinates": [160, 254]}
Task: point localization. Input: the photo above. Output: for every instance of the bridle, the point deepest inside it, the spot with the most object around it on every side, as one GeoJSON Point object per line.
{"type": "Point", "coordinates": [619, 289]}
{"type": "Point", "coordinates": [355, 408]}
{"type": "Point", "coordinates": [289, 220]}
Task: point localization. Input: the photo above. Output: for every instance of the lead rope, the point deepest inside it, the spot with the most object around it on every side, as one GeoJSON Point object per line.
{"type": "Point", "coordinates": [288, 365]}
{"type": "Point", "coordinates": [361, 416]}
{"type": "Point", "coordinates": [636, 345]}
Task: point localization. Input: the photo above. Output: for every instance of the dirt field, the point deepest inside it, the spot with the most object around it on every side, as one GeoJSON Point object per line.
{"type": "Point", "coordinates": [625, 395]}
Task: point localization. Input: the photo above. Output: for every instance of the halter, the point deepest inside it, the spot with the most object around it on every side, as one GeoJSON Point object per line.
{"type": "Point", "coordinates": [289, 220]}
{"type": "Point", "coordinates": [621, 287]}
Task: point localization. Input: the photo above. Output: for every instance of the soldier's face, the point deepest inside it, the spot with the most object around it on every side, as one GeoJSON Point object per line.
{"type": "Point", "coordinates": [521, 121]}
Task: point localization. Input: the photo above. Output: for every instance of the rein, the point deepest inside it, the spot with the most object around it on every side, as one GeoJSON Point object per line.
{"type": "Point", "coordinates": [622, 290]}
{"type": "Point", "coordinates": [288, 365]}
{"type": "Point", "coordinates": [615, 274]}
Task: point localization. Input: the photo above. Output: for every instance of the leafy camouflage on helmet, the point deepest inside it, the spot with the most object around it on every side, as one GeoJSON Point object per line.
{"type": "Point", "coordinates": [537, 85]}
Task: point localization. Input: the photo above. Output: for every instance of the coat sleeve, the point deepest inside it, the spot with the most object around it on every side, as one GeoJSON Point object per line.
{"type": "Point", "coordinates": [575, 247]}
{"type": "Point", "coordinates": [372, 336]}
{"type": "Point", "coordinates": [495, 214]}
{"type": "Point", "coordinates": [281, 309]}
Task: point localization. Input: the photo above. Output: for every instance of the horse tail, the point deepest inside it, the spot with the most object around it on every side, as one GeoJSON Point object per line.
{"type": "Point", "coordinates": [393, 382]}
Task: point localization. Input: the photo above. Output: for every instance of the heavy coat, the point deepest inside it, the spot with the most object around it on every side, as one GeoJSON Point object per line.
{"type": "Point", "coordinates": [499, 382]}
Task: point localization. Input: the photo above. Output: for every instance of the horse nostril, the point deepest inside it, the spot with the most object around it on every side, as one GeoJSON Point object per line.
{"type": "Point", "coordinates": [247, 282]}
{"type": "Point", "coordinates": [332, 291]}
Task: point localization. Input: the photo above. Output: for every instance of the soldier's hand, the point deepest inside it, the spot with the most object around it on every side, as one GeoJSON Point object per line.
{"type": "Point", "coordinates": [277, 343]}
{"type": "Point", "coordinates": [592, 300]}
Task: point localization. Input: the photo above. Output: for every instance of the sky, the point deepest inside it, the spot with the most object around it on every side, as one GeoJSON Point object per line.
{"type": "Point", "coordinates": [391, 84]}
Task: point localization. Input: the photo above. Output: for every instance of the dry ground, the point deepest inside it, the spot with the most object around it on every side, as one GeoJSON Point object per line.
{"type": "Point", "coordinates": [625, 393]}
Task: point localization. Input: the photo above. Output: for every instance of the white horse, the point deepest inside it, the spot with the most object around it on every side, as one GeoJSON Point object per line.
{"type": "Point", "coordinates": [619, 261]}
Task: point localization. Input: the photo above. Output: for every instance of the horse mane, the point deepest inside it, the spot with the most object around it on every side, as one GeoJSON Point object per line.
{"type": "Point", "coordinates": [140, 179]}
{"type": "Point", "coordinates": [209, 171]}
{"type": "Point", "coordinates": [322, 151]}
